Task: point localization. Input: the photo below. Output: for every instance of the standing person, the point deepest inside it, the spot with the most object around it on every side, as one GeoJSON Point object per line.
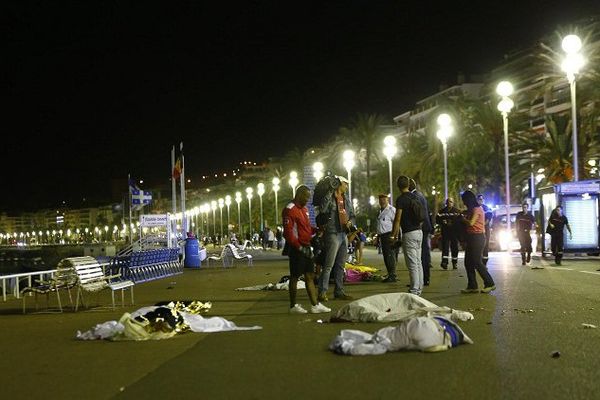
{"type": "Point", "coordinates": [489, 216]}
{"type": "Point", "coordinates": [412, 235]}
{"type": "Point", "coordinates": [385, 223]}
{"type": "Point", "coordinates": [556, 227]}
{"type": "Point", "coordinates": [298, 233]}
{"type": "Point", "coordinates": [525, 223]}
{"type": "Point", "coordinates": [447, 218]}
{"type": "Point", "coordinates": [427, 230]}
{"type": "Point", "coordinates": [341, 216]}
{"type": "Point", "coordinates": [361, 239]}
{"type": "Point", "coordinates": [475, 240]}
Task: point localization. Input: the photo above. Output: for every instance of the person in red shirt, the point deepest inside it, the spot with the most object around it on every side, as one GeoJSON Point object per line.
{"type": "Point", "coordinates": [298, 233]}
{"type": "Point", "coordinates": [475, 241]}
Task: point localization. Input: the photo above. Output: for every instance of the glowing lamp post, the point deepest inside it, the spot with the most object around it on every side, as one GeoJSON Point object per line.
{"type": "Point", "coordinates": [348, 157]}
{"type": "Point", "coordinates": [249, 192]}
{"type": "Point", "coordinates": [293, 181]}
{"type": "Point", "coordinates": [571, 65]}
{"type": "Point", "coordinates": [238, 200]}
{"type": "Point", "coordinates": [389, 150]}
{"type": "Point", "coordinates": [206, 211]}
{"type": "Point", "coordinates": [221, 204]}
{"type": "Point", "coordinates": [505, 89]}
{"type": "Point", "coordinates": [260, 190]}
{"type": "Point", "coordinates": [318, 171]}
{"type": "Point", "coordinates": [443, 133]}
{"type": "Point", "coordinates": [228, 203]}
{"type": "Point", "coordinates": [276, 188]}
{"type": "Point", "coordinates": [213, 207]}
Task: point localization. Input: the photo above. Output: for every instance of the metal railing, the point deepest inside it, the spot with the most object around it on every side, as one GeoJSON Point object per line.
{"type": "Point", "coordinates": [14, 280]}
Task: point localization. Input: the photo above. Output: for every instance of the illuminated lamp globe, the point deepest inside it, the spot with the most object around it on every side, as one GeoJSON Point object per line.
{"type": "Point", "coordinates": [444, 120]}
{"type": "Point", "coordinates": [571, 44]}
{"type": "Point", "coordinates": [505, 105]}
{"type": "Point", "coordinates": [504, 89]}
{"type": "Point", "coordinates": [389, 141]}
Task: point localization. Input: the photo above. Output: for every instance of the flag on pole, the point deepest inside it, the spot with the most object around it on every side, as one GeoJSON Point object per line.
{"type": "Point", "coordinates": [177, 169]}
{"type": "Point", "coordinates": [139, 198]}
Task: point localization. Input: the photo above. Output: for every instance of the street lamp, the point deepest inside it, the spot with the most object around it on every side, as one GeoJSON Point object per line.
{"type": "Point", "coordinates": [249, 191]}
{"type": "Point", "coordinates": [221, 203]}
{"type": "Point", "coordinates": [196, 211]}
{"type": "Point", "coordinates": [213, 207]}
{"type": "Point", "coordinates": [260, 190]}
{"type": "Point", "coordinates": [505, 89]}
{"type": "Point", "coordinates": [293, 181]}
{"type": "Point", "coordinates": [206, 211]}
{"type": "Point", "coordinates": [443, 133]}
{"type": "Point", "coordinates": [317, 171]}
{"type": "Point", "coordinates": [276, 189]}
{"type": "Point", "coordinates": [228, 203]}
{"type": "Point", "coordinates": [348, 157]}
{"type": "Point", "coordinates": [571, 65]}
{"type": "Point", "coordinates": [238, 200]}
{"type": "Point", "coordinates": [389, 150]}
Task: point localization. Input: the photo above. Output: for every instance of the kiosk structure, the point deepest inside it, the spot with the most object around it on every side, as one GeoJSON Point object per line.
{"type": "Point", "coordinates": [581, 203]}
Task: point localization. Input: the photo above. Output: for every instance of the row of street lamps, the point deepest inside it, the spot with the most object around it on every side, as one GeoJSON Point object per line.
{"type": "Point", "coordinates": [571, 65]}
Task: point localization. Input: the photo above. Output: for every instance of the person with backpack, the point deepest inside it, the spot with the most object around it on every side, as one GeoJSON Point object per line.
{"type": "Point", "coordinates": [475, 240]}
{"type": "Point", "coordinates": [338, 207]}
{"type": "Point", "coordinates": [407, 222]}
{"type": "Point", "coordinates": [427, 230]}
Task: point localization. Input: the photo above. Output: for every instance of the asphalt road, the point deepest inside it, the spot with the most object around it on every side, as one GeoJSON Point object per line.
{"type": "Point", "coordinates": [533, 314]}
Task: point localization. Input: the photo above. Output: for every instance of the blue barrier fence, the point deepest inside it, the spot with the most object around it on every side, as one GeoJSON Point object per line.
{"type": "Point", "coordinates": [148, 265]}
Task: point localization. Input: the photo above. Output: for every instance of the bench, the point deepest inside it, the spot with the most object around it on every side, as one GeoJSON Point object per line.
{"type": "Point", "coordinates": [225, 257]}
{"type": "Point", "coordinates": [64, 278]}
{"type": "Point", "coordinates": [86, 275]}
{"type": "Point", "coordinates": [238, 254]}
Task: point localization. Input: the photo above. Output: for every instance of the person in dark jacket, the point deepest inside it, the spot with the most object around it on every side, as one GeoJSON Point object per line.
{"type": "Point", "coordinates": [427, 230]}
{"type": "Point", "coordinates": [448, 219]}
{"type": "Point", "coordinates": [556, 227]}
{"type": "Point", "coordinates": [525, 223]}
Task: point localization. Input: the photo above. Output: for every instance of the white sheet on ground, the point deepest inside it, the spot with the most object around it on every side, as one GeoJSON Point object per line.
{"type": "Point", "coordinates": [418, 333]}
{"type": "Point", "coordinates": [396, 307]}
{"type": "Point", "coordinates": [278, 286]}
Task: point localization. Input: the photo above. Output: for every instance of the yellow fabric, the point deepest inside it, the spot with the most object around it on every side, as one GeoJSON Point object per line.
{"type": "Point", "coordinates": [360, 268]}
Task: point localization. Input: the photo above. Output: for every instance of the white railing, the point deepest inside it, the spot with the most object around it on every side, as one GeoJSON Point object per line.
{"type": "Point", "coordinates": [41, 275]}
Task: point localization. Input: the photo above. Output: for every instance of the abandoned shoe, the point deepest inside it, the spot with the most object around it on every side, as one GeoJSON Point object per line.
{"type": "Point", "coordinates": [319, 308]}
{"type": "Point", "coordinates": [297, 309]}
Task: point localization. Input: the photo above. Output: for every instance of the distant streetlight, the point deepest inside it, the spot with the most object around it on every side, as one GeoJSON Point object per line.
{"type": "Point", "coordinates": [238, 200]}
{"type": "Point", "coordinates": [276, 188]}
{"type": "Point", "coordinates": [505, 89]}
{"type": "Point", "coordinates": [389, 150]}
{"type": "Point", "coordinates": [293, 181]}
{"type": "Point", "coordinates": [213, 207]}
{"type": "Point", "coordinates": [228, 203]}
{"type": "Point", "coordinates": [348, 157]}
{"type": "Point", "coordinates": [444, 132]}
{"type": "Point", "coordinates": [249, 192]}
{"type": "Point", "coordinates": [571, 65]}
{"type": "Point", "coordinates": [221, 203]}
{"type": "Point", "coordinates": [318, 171]}
{"type": "Point", "coordinates": [260, 190]}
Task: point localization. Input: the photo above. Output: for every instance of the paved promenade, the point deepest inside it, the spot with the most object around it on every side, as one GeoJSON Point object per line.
{"type": "Point", "coordinates": [532, 314]}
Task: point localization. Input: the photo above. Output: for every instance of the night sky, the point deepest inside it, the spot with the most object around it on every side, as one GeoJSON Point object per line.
{"type": "Point", "coordinates": [93, 91]}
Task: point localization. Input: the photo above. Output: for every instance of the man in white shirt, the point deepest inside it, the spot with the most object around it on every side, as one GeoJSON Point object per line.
{"type": "Point", "coordinates": [385, 221]}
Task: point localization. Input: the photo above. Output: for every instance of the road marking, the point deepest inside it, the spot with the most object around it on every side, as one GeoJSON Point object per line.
{"type": "Point", "coordinates": [590, 272]}
{"type": "Point", "coordinates": [561, 268]}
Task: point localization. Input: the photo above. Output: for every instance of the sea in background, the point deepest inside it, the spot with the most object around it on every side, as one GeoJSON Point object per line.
{"type": "Point", "coordinates": [14, 260]}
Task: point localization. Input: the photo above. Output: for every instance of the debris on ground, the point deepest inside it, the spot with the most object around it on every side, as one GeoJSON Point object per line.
{"type": "Point", "coordinates": [589, 326]}
{"type": "Point", "coordinates": [555, 354]}
{"type": "Point", "coordinates": [523, 311]}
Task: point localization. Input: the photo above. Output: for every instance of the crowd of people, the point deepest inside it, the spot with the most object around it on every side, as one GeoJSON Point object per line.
{"type": "Point", "coordinates": [319, 253]}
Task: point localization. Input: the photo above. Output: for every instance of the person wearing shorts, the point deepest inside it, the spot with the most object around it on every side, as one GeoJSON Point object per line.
{"type": "Point", "coordinates": [298, 233]}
